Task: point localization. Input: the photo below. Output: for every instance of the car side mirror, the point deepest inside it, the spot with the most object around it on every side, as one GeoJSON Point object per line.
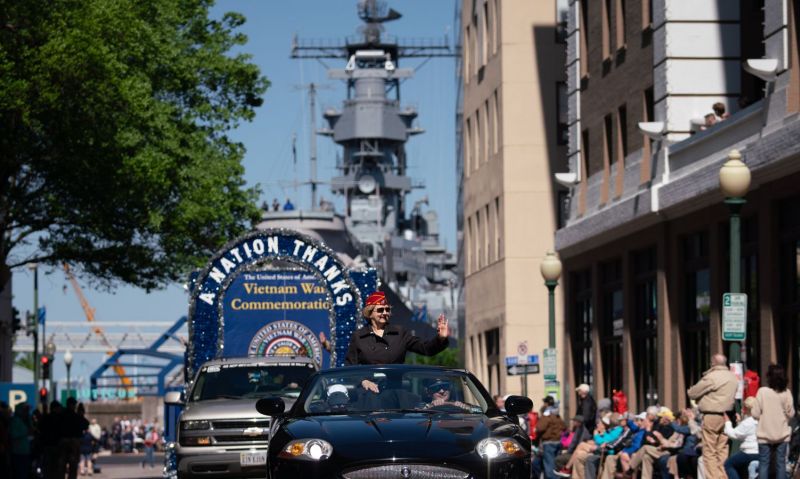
{"type": "Point", "coordinates": [270, 406]}
{"type": "Point", "coordinates": [516, 405]}
{"type": "Point", "coordinates": [173, 398]}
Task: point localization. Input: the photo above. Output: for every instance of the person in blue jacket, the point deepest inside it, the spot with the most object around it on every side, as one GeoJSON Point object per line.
{"type": "Point", "coordinates": [607, 431]}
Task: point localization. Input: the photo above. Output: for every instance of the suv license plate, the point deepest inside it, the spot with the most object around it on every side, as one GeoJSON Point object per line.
{"type": "Point", "coordinates": [253, 458]}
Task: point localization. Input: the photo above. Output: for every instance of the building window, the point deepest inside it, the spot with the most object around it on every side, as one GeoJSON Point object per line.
{"type": "Point", "coordinates": [582, 327]}
{"type": "Point", "coordinates": [563, 208]}
{"type": "Point", "coordinates": [696, 306]}
{"type": "Point", "coordinates": [608, 141]}
{"type": "Point", "coordinates": [647, 14]}
{"type": "Point", "coordinates": [611, 327]}
{"type": "Point", "coordinates": [467, 54]}
{"type": "Point", "coordinates": [495, 123]}
{"type": "Point", "coordinates": [644, 327]}
{"type": "Point", "coordinates": [468, 147]}
{"type": "Point", "coordinates": [487, 36]}
{"type": "Point", "coordinates": [562, 20]}
{"type": "Point", "coordinates": [478, 140]}
{"type": "Point", "coordinates": [584, 37]}
{"type": "Point", "coordinates": [492, 338]}
{"type": "Point", "coordinates": [468, 243]}
{"type": "Point", "coordinates": [622, 133]}
{"type": "Point", "coordinates": [562, 107]}
{"type": "Point", "coordinates": [788, 341]}
{"type": "Point", "coordinates": [606, 28]}
{"type": "Point", "coordinates": [496, 28]}
{"type": "Point", "coordinates": [619, 26]}
{"type": "Point", "coordinates": [485, 237]}
{"type": "Point", "coordinates": [585, 154]}
{"type": "Point", "coordinates": [497, 228]}
{"type": "Point", "coordinates": [478, 241]}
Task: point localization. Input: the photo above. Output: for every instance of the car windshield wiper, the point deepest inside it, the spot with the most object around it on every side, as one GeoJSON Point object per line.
{"type": "Point", "coordinates": [226, 396]}
{"type": "Point", "coordinates": [426, 411]}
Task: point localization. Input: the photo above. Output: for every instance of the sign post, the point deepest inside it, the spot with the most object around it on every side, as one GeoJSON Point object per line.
{"type": "Point", "coordinates": [522, 366]}
{"type": "Point", "coordinates": [734, 317]}
{"type": "Point", "coordinates": [550, 364]}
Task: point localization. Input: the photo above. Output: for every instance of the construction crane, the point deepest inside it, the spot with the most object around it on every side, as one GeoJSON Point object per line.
{"type": "Point", "coordinates": [88, 310]}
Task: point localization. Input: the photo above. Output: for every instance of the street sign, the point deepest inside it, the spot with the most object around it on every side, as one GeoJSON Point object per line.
{"type": "Point", "coordinates": [522, 369]}
{"type": "Point", "coordinates": [514, 360]}
{"type": "Point", "coordinates": [522, 348]}
{"type": "Point", "coordinates": [734, 316]}
{"type": "Point", "coordinates": [550, 364]}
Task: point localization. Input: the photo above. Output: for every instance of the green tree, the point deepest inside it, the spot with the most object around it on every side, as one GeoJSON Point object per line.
{"type": "Point", "coordinates": [113, 148]}
{"type": "Point", "coordinates": [447, 358]}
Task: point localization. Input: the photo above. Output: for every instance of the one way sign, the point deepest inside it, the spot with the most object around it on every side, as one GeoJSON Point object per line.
{"type": "Point", "coordinates": [520, 369]}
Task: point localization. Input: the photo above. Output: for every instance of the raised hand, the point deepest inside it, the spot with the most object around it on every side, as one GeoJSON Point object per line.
{"type": "Point", "coordinates": [442, 327]}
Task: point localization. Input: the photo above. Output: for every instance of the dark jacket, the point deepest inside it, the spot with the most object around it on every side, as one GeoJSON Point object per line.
{"type": "Point", "coordinates": [588, 409]}
{"type": "Point", "coordinates": [368, 348]}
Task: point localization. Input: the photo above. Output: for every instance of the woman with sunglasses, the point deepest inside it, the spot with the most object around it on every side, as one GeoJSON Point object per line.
{"type": "Point", "coordinates": [382, 343]}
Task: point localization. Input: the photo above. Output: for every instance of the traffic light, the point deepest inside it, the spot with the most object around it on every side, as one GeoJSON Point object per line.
{"type": "Point", "coordinates": [16, 323]}
{"type": "Point", "coordinates": [43, 396]}
{"type": "Point", "coordinates": [45, 368]}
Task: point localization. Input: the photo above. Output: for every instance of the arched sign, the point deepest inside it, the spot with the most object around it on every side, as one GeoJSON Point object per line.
{"type": "Point", "coordinates": [338, 290]}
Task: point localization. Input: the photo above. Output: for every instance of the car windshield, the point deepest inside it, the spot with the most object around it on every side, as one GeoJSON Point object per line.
{"type": "Point", "coordinates": [341, 391]}
{"type": "Point", "coordinates": [234, 381]}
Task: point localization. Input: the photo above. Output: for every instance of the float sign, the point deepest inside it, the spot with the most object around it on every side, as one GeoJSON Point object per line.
{"type": "Point", "coordinates": [276, 313]}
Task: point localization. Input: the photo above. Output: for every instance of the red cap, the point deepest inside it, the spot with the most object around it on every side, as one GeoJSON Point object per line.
{"type": "Point", "coordinates": [378, 297]}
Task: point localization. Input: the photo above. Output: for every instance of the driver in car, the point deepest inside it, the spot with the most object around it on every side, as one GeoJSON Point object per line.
{"type": "Point", "coordinates": [338, 398]}
{"type": "Point", "coordinates": [439, 392]}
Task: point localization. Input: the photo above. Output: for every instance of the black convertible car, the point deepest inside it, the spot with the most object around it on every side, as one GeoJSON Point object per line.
{"type": "Point", "coordinates": [425, 422]}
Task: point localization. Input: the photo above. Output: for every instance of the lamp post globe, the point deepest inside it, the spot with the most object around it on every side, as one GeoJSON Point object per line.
{"type": "Point", "coordinates": [734, 176]}
{"type": "Point", "coordinates": [51, 348]}
{"type": "Point", "coordinates": [550, 267]}
{"type": "Point", "coordinates": [68, 363]}
{"type": "Point", "coordinates": [68, 358]}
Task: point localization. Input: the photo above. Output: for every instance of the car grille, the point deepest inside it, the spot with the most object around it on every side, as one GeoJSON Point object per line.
{"type": "Point", "coordinates": [406, 471]}
{"type": "Point", "coordinates": [240, 424]}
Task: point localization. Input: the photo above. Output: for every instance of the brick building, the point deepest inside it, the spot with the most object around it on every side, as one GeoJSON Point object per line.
{"type": "Point", "coordinates": [645, 247]}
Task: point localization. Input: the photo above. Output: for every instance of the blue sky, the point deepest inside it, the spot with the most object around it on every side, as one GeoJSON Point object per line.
{"type": "Point", "coordinates": [270, 27]}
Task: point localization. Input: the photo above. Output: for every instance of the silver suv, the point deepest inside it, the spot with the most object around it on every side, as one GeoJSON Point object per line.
{"type": "Point", "coordinates": [220, 432]}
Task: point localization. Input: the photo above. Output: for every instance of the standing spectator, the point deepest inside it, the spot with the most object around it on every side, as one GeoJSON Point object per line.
{"type": "Point", "coordinates": [73, 425]}
{"type": "Point", "coordinates": [719, 111]}
{"type": "Point", "coordinates": [500, 402]}
{"type": "Point", "coordinates": [50, 439]}
{"type": "Point", "coordinates": [95, 429]}
{"type": "Point", "coordinates": [288, 206]}
{"type": "Point", "coordinates": [276, 206]}
{"type": "Point", "coordinates": [86, 450]}
{"type": "Point", "coordinates": [548, 430]}
{"type": "Point", "coordinates": [150, 441]}
{"type": "Point", "coordinates": [587, 408]}
{"type": "Point", "coordinates": [5, 446]}
{"type": "Point", "coordinates": [745, 431]}
{"type": "Point", "coordinates": [773, 408]}
{"type": "Point", "coordinates": [20, 432]}
{"type": "Point", "coordinates": [714, 394]}
{"type": "Point", "coordinates": [710, 120]}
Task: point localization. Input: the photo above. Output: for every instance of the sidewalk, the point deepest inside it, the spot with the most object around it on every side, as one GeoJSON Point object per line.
{"type": "Point", "coordinates": [128, 466]}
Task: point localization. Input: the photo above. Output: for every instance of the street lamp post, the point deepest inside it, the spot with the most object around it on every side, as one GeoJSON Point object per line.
{"type": "Point", "coordinates": [50, 349]}
{"type": "Point", "coordinates": [551, 272]}
{"type": "Point", "coordinates": [734, 181]}
{"type": "Point", "coordinates": [68, 363]}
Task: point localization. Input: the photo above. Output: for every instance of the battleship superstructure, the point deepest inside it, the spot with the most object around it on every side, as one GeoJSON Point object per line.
{"type": "Point", "coordinates": [378, 227]}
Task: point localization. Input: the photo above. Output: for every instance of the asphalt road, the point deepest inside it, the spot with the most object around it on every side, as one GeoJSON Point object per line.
{"type": "Point", "coordinates": [129, 466]}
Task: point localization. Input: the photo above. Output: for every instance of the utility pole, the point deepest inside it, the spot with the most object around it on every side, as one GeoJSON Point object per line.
{"type": "Point", "coordinates": [312, 100]}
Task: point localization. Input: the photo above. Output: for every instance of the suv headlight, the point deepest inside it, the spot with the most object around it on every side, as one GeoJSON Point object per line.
{"type": "Point", "coordinates": [307, 449]}
{"type": "Point", "coordinates": [493, 448]}
{"type": "Point", "coordinates": [194, 425]}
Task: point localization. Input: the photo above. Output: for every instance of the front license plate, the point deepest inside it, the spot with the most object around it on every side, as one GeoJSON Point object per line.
{"type": "Point", "coordinates": [253, 458]}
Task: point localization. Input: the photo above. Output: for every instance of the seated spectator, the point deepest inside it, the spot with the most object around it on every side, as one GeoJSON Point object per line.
{"type": "Point", "coordinates": [711, 120]}
{"type": "Point", "coordinates": [745, 431]}
{"type": "Point", "coordinates": [684, 441]}
{"type": "Point", "coordinates": [606, 431]}
{"type": "Point", "coordinates": [630, 441]}
{"type": "Point", "coordinates": [577, 435]}
{"type": "Point", "coordinates": [719, 111]}
{"type": "Point", "coordinates": [656, 444]}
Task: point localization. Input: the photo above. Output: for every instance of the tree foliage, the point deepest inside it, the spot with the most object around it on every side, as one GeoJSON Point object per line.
{"type": "Point", "coordinates": [113, 148]}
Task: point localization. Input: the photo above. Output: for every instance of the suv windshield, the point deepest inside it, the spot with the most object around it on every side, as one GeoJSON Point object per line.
{"type": "Point", "coordinates": [233, 381]}
{"type": "Point", "coordinates": [340, 392]}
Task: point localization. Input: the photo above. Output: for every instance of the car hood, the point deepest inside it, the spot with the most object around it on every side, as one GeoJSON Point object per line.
{"type": "Point", "coordinates": [387, 434]}
{"type": "Point", "coordinates": [225, 409]}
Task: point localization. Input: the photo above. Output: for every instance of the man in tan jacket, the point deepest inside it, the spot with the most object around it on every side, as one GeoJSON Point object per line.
{"type": "Point", "coordinates": [714, 394]}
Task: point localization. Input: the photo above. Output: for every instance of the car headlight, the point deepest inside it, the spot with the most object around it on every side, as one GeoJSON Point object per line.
{"type": "Point", "coordinates": [195, 441]}
{"type": "Point", "coordinates": [194, 425]}
{"type": "Point", "coordinates": [493, 448]}
{"type": "Point", "coordinates": [307, 449]}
